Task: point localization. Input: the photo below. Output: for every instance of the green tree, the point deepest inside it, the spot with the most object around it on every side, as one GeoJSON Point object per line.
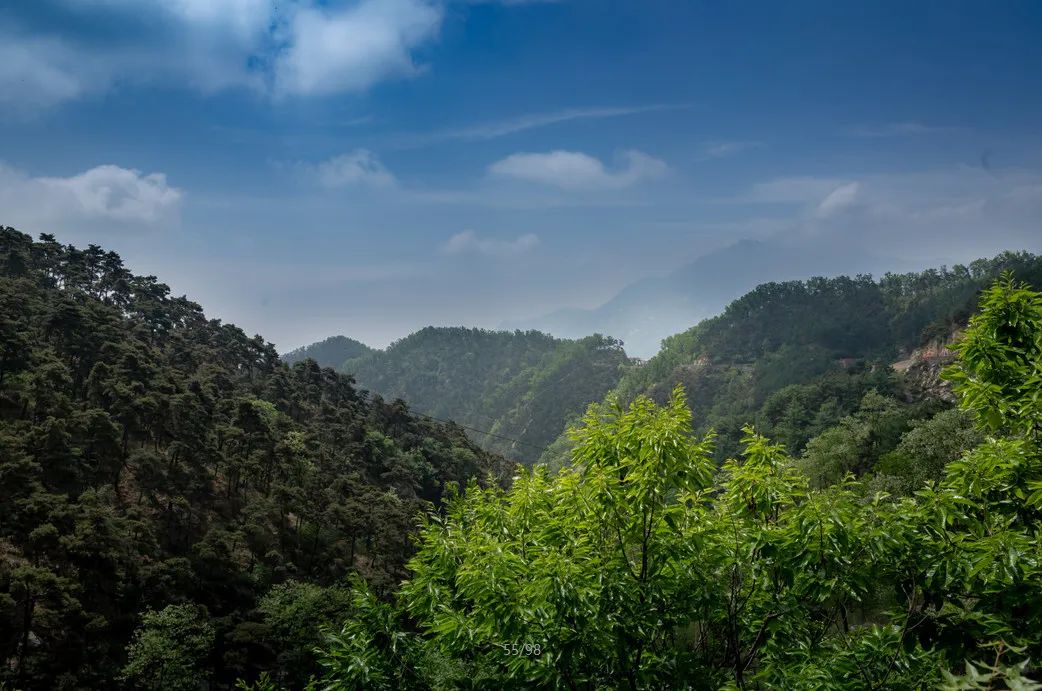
{"type": "Point", "coordinates": [999, 375]}
{"type": "Point", "coordinates": [294, 615]}
{"type": "Point", "coordinates": [929, 446]}
{"type": "Point", "coordinates": [857, 443]}
{"type": "Point", "coordinates": [149, 456]}
{"type": "Point", "coordinates": [637, 568]}
{"type": "Point", "coordinates": [170, 649]}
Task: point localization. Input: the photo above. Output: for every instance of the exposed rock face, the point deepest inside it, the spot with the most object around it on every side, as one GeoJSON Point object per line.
{"type": "Point", "coordinates": [924, 380]}
{"type": "Point", "coordinates": [922, 369]}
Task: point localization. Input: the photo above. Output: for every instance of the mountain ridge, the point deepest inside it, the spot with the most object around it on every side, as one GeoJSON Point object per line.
{"type": "Point", "coordinates": [330, 352]}
{"type": "Point", "coordinates": [514, 390]}
{"type": "Point", "coordinates": [645, 312]}
{"type": "Point", "coordinates": [810, 350]}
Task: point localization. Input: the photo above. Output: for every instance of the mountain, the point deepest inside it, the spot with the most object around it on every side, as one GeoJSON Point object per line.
{"type": "Point", "coordinates": [514, 391]}
{"type": "Point", "coordinates": [331, 352]}
{"type": "Point", "coordinates": [895, 553]}
{"type": "Point", "coordinates": [797, 357]}
{"type": "Point", "coordinates": [178, 506]}
{"type": "Point", "coordinates": [649, 310]}
{"type": "Point", "coordinates": [167, 480]}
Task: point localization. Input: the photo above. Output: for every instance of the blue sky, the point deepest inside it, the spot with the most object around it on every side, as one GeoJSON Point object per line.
{"type": "Point", "coordinates": [305, 168]}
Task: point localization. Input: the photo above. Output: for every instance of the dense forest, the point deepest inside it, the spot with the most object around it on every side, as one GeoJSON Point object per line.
{"type": "Point", "coordinates": [175, 502]}
{"type": "Point", "coordinates": [515, 391]}
{"type": "Point", "coordinates": [332, 352]}
{"type": "Point", "coordinates": [646, 565]}
{"type": "Point", "coordinates": [803, 358]}
{"type": "Point", "coordinates": [768, 503]}
{"type": "Point", "coordinates": [796, 358]}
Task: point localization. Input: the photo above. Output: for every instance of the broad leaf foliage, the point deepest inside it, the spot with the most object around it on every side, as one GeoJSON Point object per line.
{"type": "Point", "coordinates": [643, 566]}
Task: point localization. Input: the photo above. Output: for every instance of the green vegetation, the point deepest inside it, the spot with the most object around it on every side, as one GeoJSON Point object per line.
{"type": "Point", "coordinates": [170, 649]}
{"type": "Point", "coordinates": [646, 566]}
{"type": "Point", "coordinates": [522, 388]}
{"type": "Point", "coordinates": [179, 506]}
{"type": "Point", "coordinates": [796, 358]}
{"type": "Point", "coordinates": [331, 352]}
{"type": "Point", "coordinates": [176, 504]}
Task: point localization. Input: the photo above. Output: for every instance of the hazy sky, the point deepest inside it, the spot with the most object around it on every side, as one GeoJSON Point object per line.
{"type": "Point", "coordinates": [306, 168]}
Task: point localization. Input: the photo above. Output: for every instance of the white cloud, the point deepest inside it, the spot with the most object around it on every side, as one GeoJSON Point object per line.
{"type": "Point", "coordinates": [354, 48]}
{"type": "Point", "coordinates": [205, 44]}
{"type": "Point", "coordinates": [360, 167]}
{"type": "Point", "coordinates": [287, 47]}
{"type": "Point", "coordinates": [838, 199]}
{"type": "Point", "coordinates": [468, 242]}
{"type": "Point", "coordinates": [245, 17]}
{"type": "Point", "coordinates": [575, 170]}
{"type": "Point", "coordinates": [106, 193]}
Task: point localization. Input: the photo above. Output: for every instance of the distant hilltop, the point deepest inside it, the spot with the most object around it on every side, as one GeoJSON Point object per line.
{"type": "Point", "coordinates": [331, 352]}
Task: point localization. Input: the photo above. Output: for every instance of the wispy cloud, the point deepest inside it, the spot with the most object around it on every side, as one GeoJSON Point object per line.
{"type": "Point", "coordinates": [961, 212]}
{"type": "Point", "coordinates": [723, 149]}
{"type": "Point", "coordinates": [346, 273]}
{"type": "Point", "coordinates": [353, 122]}
{"type": "Point", "coordinates": [468, 242]}
{"type": "Point", "coordinates": [576, 170]}
{"type": "Point", "coordinates": [838, 199]}
{"type": "Point", "coordinates": [512, 2]}
{"type": "Point", "coordinates": [821, 197]}
{"type": "Point", "coordinates": [502, 128]}
{"type": "Point", "coordinates": [791, 190]}
{"type": "Point", "coordinates": [899, 129]}
{"type": "Point", "coordinates": [38, 72]}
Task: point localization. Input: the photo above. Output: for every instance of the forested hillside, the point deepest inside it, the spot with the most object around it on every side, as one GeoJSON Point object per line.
{"type": "Point", "coordinates": [797, 358]}
{"type": "Point", "coordinates": [178, 506]}
{"type": "Point", "coordinates": [802, 358]}
{"type": "Point", "coordinates": [651, 309]}
{"type": "Point", "coordinates": [647, 566]}
{"type": "Point", "coordinates": [331, 352]}
{"type": "Point", "coordinates": [514, 391]}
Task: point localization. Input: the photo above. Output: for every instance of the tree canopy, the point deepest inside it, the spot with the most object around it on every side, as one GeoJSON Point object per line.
{"type": "Point", "coordinates": [179, 505]}
{"type": "Point", "coordinates": [514, 391]}
{"type": "Point", "coordinates": [645, 566]}
{"type": "Point", "coordinates": [158, 468]}
{"type": "Point", "coordinates": [797, 357]}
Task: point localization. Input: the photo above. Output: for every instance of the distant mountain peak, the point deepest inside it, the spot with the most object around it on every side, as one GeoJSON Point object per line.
{"type": "Point", "coordinates": [650, 309]}
{"type": "Point", "coordinates": [331, 352]}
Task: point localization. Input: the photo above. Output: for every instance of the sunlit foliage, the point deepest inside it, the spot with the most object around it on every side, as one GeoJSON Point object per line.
{"type": "Point", "coordinates": [643, 566]}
